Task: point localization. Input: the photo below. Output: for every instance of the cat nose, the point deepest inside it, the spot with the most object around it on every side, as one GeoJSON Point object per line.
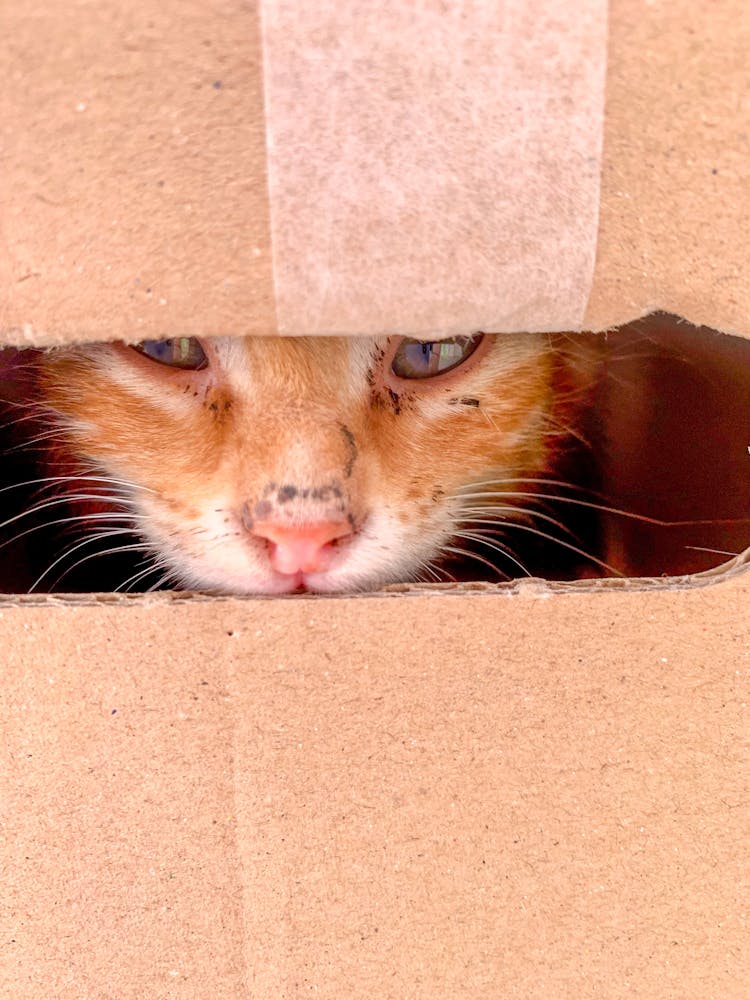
{"type": "Point", "coordinates": [303, 548]}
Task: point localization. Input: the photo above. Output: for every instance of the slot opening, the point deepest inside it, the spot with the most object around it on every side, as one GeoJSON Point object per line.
{"type": "Point", "coordinates": [655, 474]}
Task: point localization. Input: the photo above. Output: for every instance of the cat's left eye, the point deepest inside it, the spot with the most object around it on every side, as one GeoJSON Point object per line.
{"type": "Point", "coordinates": [428, 358]}
{"type": "Point", "coordinates": [175, 352]}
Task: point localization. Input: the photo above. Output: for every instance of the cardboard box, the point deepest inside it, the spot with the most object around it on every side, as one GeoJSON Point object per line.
{"type": "Point", "coordinates": [524, 791]}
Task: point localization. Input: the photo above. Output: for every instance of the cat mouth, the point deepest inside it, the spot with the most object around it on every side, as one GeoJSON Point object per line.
{"type": "Point", "coordinates": [300, 583]}
{"type": "Point", "coordinates": [293, 583]}
{"type": "Point", "coordinates": [298, 559]}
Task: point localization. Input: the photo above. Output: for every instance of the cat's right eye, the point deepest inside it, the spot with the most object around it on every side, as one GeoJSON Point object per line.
{"type": "Point", "coordinates": [175, 352]}
{"type": "Point", "coordinates": [417, 359]}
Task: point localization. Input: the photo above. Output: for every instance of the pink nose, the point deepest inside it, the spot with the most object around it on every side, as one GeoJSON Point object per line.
{"type": "Point", "coordinates": [305, 548]}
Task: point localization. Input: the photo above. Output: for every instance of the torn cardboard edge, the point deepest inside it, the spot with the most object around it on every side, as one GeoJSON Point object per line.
{"type": "Point", "coordinates": [82, 243]}
{"type": "Point", "coordinates": [534, 587]}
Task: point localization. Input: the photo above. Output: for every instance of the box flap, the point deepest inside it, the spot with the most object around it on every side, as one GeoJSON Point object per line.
{"type": "Point", "coordinates": [674, 224]}
{"type": "Point", "coordinates": [418, 181]}
{"type": "Point", "coordinates": [133, 172]}
{"type": "Point", "coordinates": [522, 798]}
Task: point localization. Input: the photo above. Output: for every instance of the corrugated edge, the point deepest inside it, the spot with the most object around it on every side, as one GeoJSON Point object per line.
{"type": "Point", "coordinates": [526, 587]}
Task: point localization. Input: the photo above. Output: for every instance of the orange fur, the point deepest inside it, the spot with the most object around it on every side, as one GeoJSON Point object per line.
{"type": "Point", "coordinates": [304, 430]}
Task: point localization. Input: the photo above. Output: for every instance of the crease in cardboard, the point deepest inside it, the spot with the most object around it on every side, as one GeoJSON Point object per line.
{"type": "Point", "coordinates": [400, 815]}
{"type": "Point", "coordinates": [433, 169]}
{"type": "Point", "coordinates": [515, 816]}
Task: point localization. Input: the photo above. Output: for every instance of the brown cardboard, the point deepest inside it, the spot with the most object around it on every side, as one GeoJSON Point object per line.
{"type": "Point", "coordinates": [133, 172]}
{"type": "Point", "coordinates": [478, 796]}
{"type": "Point", "coordinates": [535, 792]}
{"type": "Point", "coordinates": [676, 403]}
{"type": "Point", "coordinates": [134, 176]}
{"type": "Point", "coordinates": [675, 203]}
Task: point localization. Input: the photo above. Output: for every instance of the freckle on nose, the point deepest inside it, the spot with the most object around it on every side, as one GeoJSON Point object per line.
{"type": "Point", "coordinates": [263, 509]}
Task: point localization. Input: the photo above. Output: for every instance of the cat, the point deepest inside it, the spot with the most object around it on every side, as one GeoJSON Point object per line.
{"type": "Point", "coordinates": [272, 465]}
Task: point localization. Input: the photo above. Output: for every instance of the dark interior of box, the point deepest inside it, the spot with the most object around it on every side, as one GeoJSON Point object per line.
{"type": "Point", "coordinates": [659, 481]}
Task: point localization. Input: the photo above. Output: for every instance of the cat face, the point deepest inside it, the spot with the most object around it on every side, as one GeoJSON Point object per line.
{"type": "Point", "coordinates": [265, 465]}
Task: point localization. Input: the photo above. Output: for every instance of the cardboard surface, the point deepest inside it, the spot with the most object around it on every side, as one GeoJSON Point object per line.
{"type": "Point", "coordinates": [531, 794]}
{"type": "Point", "coordinates": [675, 203]}
{"type": "Point", "coordinates": [132, 171]}
{"type": "Point", "coordinates": [134, 160]}
{"type": "Point", "coordinates": [378, 797]}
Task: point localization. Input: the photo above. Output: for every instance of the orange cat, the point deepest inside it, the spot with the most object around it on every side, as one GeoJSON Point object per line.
{"type": "Point", "coordinates": [261, 465]}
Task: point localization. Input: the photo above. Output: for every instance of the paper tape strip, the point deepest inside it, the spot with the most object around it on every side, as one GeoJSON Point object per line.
{"type": "Point", "coordinates": [433, 167]}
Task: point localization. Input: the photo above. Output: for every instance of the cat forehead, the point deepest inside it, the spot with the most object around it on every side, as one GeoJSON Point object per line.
{"type": "Point", "coordinates": [280, 353]}
{"type": "Point", "coordinates": [325, 357]}
{"type": "Point", "coordinates": [248, 363]}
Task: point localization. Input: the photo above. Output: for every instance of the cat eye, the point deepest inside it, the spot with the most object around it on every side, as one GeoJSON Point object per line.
{"type": "Point", "coordinates": [428, 358]}
{"type": "Point", "coordinates": [175, 352]}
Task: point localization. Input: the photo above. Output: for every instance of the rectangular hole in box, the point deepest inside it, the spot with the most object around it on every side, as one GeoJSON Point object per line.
{"type": "Point", "coordinates": [657, 463]}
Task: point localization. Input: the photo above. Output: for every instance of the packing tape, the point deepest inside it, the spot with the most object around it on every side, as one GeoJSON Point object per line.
{"type": "Point", "coordinates": [433, 167]}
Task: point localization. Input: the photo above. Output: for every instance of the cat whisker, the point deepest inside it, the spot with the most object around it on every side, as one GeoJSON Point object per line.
{"type": "Point", "coordinates": [503, 550]}
{"type": "Point", "coordinates": [62, 500]}
{"type": "Point", "coordinates": [717, 552]}
{"type": "Point", "coordinates": [468, 554]}
{"type": "Point", "coordinates": [469, 514]}
{"type": "Point", "coordinates": [45, 436]}
{"type": "Point", "coordinates": [136, 547]}
{"type": "Point", "coordinates": [554, 498]}
{"type": "Point", "coordinates": [90, 540]}
{"type": "Point", "coordinates": [37, 414]}
{"type": "Point", "coordinates": [427, 567]}
{"type": "Point", "coordinates": [524, 482]}
{"type": "Point", "coordinates": [61, 480]}
{"type": "Point", "coordinates": [489, 419]}
{"type": "Point", "coordinates": [128, 584]}
{"type": "Point", "coordinates": [558, 429]}
{"type": "Point", "coordinates": [516, 526]}
{"type": "Point", "coordinates": [169, 577]}
{"type": "Point", "coordinates": [66, 521]}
